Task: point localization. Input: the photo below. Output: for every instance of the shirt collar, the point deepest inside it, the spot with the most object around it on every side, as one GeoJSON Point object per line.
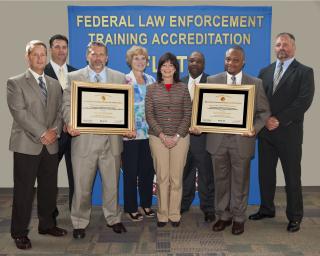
{"type": "Point", "coordinates": [286, 63]}
{"type": "Point", "coordinates": [102, 74]}
{"type": "Point", "coordinates": [57, 67]}
{"type": "Point", "coordinates": [238, 78]}
{"type": "Point", "coordinates": [36, 75]}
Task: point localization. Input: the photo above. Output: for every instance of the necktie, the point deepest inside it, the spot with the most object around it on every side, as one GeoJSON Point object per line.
{"type": "Point", "coordinates": [97, 77]}
{"type": "Point", "coordinates": [193, 87]}
{"type": "Point", "coordinates": [62, 78]}
{"type": "Point", "coordinates": [277, 76]}
{"type": "Point", "coordinates": [43, 88]}
{"type": "Point", "coordinates": [233, 79]}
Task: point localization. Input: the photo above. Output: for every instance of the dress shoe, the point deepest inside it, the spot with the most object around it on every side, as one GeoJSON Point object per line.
{"type": "Point", "coordinates": [161, 224]}
{"type": "Point", "coordinates": [136, 216]}
{"type": "Point", "coordinates": [237, 228]}
{"type": "Point", "coordinates": [148, 212]}
{"type": "Point", "coordinates": [293, 226]}
{"type": "Point", "coordinates": [209, 217]}
{"type": "Point", "coordinates": [260, 216]}
{"type": "Point", "coordinates": [175, 224]}
{"type": "Point", "coordinates": [22, 242]}
{"type": "Point", "coordinates": [55, 231]}
{"type": "Point", "coordinates": [79, 233]}
{"type": "Point", "coordinates": [221, 225]}
{"type": "Point", "coordinates": [118, 228]}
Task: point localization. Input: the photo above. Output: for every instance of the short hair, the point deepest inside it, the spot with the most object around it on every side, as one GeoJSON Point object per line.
{"type": "Point", "coordinates": [238, 48]}
{"type": "Point", "coordinates": [135, 50]}
{"type": "Point", "coordinates": [96, 43]}
{"type": "Point", "coordinates": [168, 56]}
{"type": "Point", "coordinates": [58, 37]}
{"type": "Point", "coordinates": [200, 53]}
{"type": "Point", "coordinates": [33, 43]}
{"type": "Point", "coordinates": [291, 36]}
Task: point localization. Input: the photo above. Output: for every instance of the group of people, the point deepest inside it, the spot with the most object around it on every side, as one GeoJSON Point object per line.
{"type": "Point", "coordinates": [162, 143]}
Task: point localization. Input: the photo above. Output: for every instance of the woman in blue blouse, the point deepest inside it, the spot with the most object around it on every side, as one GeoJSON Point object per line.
{"type": "Point", "coordinates": [136, 159]}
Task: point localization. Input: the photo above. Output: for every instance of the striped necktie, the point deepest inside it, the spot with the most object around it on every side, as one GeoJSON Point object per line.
{"type": "Point", "coordinates": [43, 88]}
{"type": "Point", "coordinates": [234, 81]}
{"type": "Point", "coordinates": [277, 76]}
{"type": "Point", "coordinates": [97, 77]}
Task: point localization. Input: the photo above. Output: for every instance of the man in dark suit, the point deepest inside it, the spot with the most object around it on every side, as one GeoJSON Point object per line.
{"type": "Point", "coordinates": [58, 69]}
{"type": "Point", "coordinates": [34, 100]}
{"type": "Point", "coordinates": [198, 159]}
{"type": "Point", "coordinates": [231, 154]}
{"type": "Point", "coordinates": [289, 86]}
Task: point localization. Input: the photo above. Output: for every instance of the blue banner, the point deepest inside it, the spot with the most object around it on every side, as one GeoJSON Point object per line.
{"type": "Point", "coordinates": [178, 29]}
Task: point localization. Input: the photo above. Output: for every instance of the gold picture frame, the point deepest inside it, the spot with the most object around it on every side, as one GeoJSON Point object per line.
{"type": "Point", "coordinates": [100, 108]}
{"type": "Point", "coordinates": [222, 108]}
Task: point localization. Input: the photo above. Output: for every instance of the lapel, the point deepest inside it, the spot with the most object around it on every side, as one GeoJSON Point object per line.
{"type": "Point", "coordinates": [292, 67]}
{"type": "Point", "coordinates": [245, 79]}
{"type": "Point", "coordinates": [34, 86]}
{"type": "Point", "coordinates": [268, 81]}
{"type": "Point", "coordinates": [203, 78]}
{"type": "Point", "coordinates": [109, 75]}
{"type": "Point", "coordinates": [50, 89]}
{"type": "Point", "coordinates": [50, 71]}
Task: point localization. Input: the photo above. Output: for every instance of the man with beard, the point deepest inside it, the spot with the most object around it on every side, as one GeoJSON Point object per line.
{"type": "Point", "coordinates": [92, 151]}
{"type": "Point", "coordinates": [289, 86]}
{"type": "Point", "coordinates": [198, 159]}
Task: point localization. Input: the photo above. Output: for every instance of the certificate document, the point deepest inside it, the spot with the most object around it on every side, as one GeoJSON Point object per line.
{"type": "Point", "coordinates": [222, 108]}
{"type": "Point", "coordinates": [103, 108]}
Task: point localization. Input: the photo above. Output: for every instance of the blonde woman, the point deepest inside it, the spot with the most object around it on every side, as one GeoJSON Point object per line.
{"type": "Point", "coordinates": [136, 159]}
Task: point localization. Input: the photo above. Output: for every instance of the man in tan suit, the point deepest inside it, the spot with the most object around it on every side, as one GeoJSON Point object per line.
{"type": "Point", "coordinates": [92, 151]}
{"type": "Point", "coordinates": [34, 100]}
{"type": "Point", "coordinates": [231, 154]}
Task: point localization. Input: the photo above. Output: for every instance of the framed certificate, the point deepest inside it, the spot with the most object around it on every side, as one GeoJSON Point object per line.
{"type": "Point", "coordinates": [102, 108]}
{"type": "Point", "coordinates": [221, 108]}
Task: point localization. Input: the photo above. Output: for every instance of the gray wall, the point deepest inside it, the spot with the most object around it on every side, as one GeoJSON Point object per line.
{"type": "Point", "coordinates": [23, 21]}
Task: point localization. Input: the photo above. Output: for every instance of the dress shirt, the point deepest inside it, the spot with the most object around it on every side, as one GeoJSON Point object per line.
{"type": "Point", "coordinates": [102, 74]}
{"type": "Point", "coordinates": [193, 82]}
{"type": "Point", "coordinates": [36, 76]}
{"type": "Point", "coordinates": [237, 76]}
{"type": "Point", "coordinates": [57, 68]}
{"type": "Point", "coordinates": [285, 66]}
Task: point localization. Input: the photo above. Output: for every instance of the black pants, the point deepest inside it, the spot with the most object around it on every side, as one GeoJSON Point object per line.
{"type": "Point", "coordinates": [65, 149]}
{"type": "Point", "coordinates": [201, 163]}
{"type": "Point", "coordinates": [26, 169]}
{"type": "Point", "coordinates": [138, 172]}
{"type": "Point", "coordinates": [289, 154]}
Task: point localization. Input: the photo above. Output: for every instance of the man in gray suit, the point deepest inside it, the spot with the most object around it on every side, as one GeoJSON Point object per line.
{"type": "Point", "coordinates": [34, 100]}
{"type": "Point", "coordinates": [231, 154]}
{"type": "Point", "coordinates": [92, 151]}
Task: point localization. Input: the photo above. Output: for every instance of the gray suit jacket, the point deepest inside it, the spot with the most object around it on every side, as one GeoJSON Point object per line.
{"type": "Point", "coordinates": [31, 117]}
{"type": "Point", "coordinates": [81, 144]}
{"type": "Point", "coordinates": [246, 145]}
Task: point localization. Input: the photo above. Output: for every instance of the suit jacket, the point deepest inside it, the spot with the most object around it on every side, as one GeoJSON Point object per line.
{"type": "Point", "coordinates": [31, 116]}
{"type": "Point", "coordinates": [50, 71]}
{"type": "Point", "coordinates": [246, 145]}
{"type": "Point", "coordinates": [197, 142]}
{"type": "Point", "coordinates": [292, 98]}
{"type": "Point", "coordinates": [81, 144]}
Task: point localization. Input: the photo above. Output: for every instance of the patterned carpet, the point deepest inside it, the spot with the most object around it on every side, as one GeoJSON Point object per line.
{"type": "Point", "coordinates": [194, 237]}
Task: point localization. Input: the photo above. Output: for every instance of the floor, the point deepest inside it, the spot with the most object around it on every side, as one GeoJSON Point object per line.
{"type": "Point", "coordinates": [194, 237]}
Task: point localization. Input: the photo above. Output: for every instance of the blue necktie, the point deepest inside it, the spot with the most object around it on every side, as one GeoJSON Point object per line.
{"type": "Point", "coordinates": [43, 88]}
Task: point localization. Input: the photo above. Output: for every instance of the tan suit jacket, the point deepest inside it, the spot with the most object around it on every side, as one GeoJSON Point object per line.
{"type": "Point", "coordinates": [81, 144]}
{"type": "Point", "coordinates": [246, 145]}
{"type": "Point", "coordinates": [31, 116]}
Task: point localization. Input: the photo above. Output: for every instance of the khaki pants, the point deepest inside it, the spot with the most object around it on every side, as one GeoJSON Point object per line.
{"type": "Point", "coordinates": [169, 165]}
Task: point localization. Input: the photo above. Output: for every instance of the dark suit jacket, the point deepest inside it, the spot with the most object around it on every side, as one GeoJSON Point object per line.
{"type": "Point", "coordinates": [290, 101]}
{"type": "Point", "coordinates": [261, 112]}
{"type": "Point", "coordinates": [50, 71]}
{"type": "Point", "coordinates": [197, 142]}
